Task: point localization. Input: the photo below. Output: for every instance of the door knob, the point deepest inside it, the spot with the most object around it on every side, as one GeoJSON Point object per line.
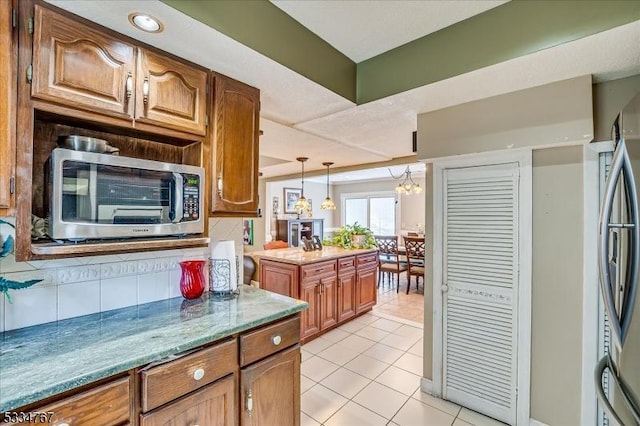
{"type": "Point", "coordinates": [444, 288]}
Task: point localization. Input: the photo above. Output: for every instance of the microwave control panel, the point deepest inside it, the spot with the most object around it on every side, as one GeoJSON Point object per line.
{"type": "Point", "coordinates": [191, 191]}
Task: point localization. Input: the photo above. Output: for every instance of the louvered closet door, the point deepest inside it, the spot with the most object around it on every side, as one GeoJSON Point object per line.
{"type": "Point", "coordinates": [480, 291]}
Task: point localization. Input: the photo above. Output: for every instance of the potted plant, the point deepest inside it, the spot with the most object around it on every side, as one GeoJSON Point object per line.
{"type": "Point", "coordinates": [353, 237]}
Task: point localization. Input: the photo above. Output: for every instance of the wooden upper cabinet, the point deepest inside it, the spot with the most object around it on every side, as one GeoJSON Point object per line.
{"type": "Point", "coordinates": [80, 66]}
{"type": "Point", "coordinates": [170, 93]}
{"type": "Point", "coordinates": [7, 105]}
{"type": "Point", "coordinates": [233, 174]}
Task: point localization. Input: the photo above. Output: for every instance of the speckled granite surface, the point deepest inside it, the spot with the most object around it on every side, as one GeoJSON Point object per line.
{"type": "Point", "coordinates": [44, 360]}
{"type": "Point", "coordinates": [297, 256]}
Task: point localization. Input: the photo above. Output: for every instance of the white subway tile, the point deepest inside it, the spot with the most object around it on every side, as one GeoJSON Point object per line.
{"type": "Point", "coordinates": [174, 283]}
{"type": "Point", "coordinates": [56, 263]}
{"type": "Point", "coordinates": [153, 286]}
{"type": "Point", "coordinates": [155, 265]}
{"type": "Point", "coordinates": [76, 299]}
{"type": "Point", "coordinates": [47, 276]}
{"type": "Point", "coordinates": [93, 260]}
{"type": "Point", "coordinates": [79, 274]}
{"type": "Point", "coordinates": [9, 264]}
{"type": "Point", "coordinates": [118, 292]}
{"type": "Point", "coordinates": [120, 269]}
{"type": "Point", "coordinates": [31, 306]}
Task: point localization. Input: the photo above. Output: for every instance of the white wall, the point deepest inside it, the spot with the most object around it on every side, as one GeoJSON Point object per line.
{"type": "Point", "coordinates": [316, 192]}
{"type": "Point", "coordinates": [78, 286]}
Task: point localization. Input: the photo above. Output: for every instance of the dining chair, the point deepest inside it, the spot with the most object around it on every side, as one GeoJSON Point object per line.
{"type": "Point", "coordinates": [389, 261]}
{"type": "Point", "coordinates": [414, 249]}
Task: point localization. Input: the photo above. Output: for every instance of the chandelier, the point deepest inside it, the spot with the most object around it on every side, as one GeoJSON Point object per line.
{"type": "Point", "coordinates": [302, 205]}
{"type": "Point", "coordinates": [328, 203]}
{"type": "Point", "coordinates": [407, 186]}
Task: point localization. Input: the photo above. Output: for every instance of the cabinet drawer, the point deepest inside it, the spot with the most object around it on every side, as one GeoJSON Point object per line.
{"type": "Point", "coordinates": [318, 269]}
{"type": "Point", "coordinates": [266, 341]}
{"type": "Point", "coordinates": [171, 380]}
{"type": "Point", "coordinates": [214, 404]}
{"type": "Point", "coordinates": [369, 260]}
{"type": "Point", "coordinates": [107, 405]}
{"type": "Point", "coordinates": [346, 263]}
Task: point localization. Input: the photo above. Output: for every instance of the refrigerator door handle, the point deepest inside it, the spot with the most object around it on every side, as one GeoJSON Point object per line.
{"type": "Point", "coordinates": [620, 318]}
{"type": "Point", "coordinates": [625, 391]}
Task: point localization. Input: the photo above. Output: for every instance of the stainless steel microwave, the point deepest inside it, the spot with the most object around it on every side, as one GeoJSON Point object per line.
{"type": "Point", "coordinates": [96, 196]}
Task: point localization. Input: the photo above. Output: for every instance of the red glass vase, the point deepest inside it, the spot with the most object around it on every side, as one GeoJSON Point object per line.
{"type": "Point", "coordinates": [192, 279]}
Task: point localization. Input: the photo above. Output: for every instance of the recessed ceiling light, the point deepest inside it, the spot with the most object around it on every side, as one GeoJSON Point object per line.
{"type": "Point", "coordinates": [145, 22]}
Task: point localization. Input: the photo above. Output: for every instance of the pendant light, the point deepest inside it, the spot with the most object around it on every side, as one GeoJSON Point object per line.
{"type": "Point", "coordinates": [407, 186]}
{"type": "Point", "coordinates": [328, 203]}
{"type": "Point", "coordinates": [302, 205]}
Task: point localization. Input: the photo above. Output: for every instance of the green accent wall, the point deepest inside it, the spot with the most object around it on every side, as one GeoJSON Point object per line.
{"type": "Point", "coordinates": [514, 29]}
{"type": "Point", "coordinates": [266, 29]}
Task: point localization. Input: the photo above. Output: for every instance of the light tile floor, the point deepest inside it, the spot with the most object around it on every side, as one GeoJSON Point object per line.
{"type": "Point", "coordinates": [367, 372]}
{"type": "Point", "coordinates": [399, 304]}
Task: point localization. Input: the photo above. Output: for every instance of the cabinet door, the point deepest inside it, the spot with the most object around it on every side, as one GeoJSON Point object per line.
{"type": "Point", "coordinates": [270, 391]}
{"type": "Point", "coordinates": [366, 288]}
{"type": "Point", "coordinates": [329, 300]}
{"type": "Point", "coordinates": [346, 295]}
{"type": "Point", "coordinates": [310, 318]}
{"type": "Point", "coordinates": [170, 94]}
{"type": "Point", "coordinates": [80, 66]}
{"type": "Point", "coordinates": [234, 162]}
{"type": "Point", "coordinates": [279, 277]}
{"type": "Point", "coordinates": [7, 104]}
{"type": "Point", "coordinates": [213, 405]}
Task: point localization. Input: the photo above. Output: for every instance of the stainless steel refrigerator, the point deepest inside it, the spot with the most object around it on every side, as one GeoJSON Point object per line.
{"type": "Point", "coordinates": [617, 375]}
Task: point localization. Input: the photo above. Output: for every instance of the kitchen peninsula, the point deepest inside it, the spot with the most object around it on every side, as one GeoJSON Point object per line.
{"type": "Point", "coordinates": [158, 361]}
{"type": "Point", "coordinates": [337, 283]}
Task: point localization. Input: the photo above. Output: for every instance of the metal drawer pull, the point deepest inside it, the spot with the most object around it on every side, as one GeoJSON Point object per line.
{"type": "Point", "coordinates": [276, 340]}
{"type": "Point", "coordinates": [198, 374]}
{"type": "Point", "coordinates": [249, 402]}
{"type": "Point", "coordinates": [63, 424]}
{"type": "Point", "coordinates": [145, 90]}
{"type": "Point", "coordinates": [129, 86]}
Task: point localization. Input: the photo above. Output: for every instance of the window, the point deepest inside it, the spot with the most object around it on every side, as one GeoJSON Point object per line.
{"type": "Point", "coordinates": [377, 212]}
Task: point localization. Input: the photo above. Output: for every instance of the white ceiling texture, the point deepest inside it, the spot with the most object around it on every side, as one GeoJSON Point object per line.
{"type": "Point", "coordinates": [302, 118]}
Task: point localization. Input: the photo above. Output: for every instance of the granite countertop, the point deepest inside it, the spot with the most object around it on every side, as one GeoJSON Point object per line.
{"type": "Point", "coordinates": [297, 256]}
{"type": "Point", "coordinates": [44, 360]}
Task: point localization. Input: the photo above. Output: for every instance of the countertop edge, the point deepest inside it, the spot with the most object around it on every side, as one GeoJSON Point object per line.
{"type": "Point", "coordinates": [119, 368]}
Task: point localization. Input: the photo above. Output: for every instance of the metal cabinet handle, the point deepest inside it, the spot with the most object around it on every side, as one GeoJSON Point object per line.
{"type": "Point", "coordinates": [198, 374]}
{"type": "Point", "coordinates": [220, 185]}
{"type": "Point", "coordinates": [623, 387]}
{"type": "Point", "coordinates": [129, 86]}
{"type": "Point", "coordinates": [63, 424]}
{"type": "Point", "coordinates": [249, 401]}
{"type": "Point", "coordinates": [276, 340]}
{"type": "Point", "coordinates": [145, 90]}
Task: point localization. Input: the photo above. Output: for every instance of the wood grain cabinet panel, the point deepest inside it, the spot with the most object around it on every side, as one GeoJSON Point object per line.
{"type": "Point", "coordinates": [311, 317]}
{"type": "Point", "coordinates": [187, 374]}
{"type": "Point", "coordinates": [214, 405]}
{"type": "Point", "coordinates": [281, 278]}
{"type": "Point", "coordinates": [233, 162]}
{"type": "Point", "coordinates": [81, 66]}
{"type": "Point", "coordinates": [7, 105]}
{"type": "Point", "coordinates": [170, 93]}
{"type": "Point", "coordinates": [268, 340]}
{"type": "Point", "coordinates": [367, 294]}
{"type": "Point", "coordinates": [329, 300]}
{"type": "Point", "coordinates": [346, 295]}
{"type": "Point", "coordinates": [270, 391]}
{"type": "Point", "coordinates": [105, 405]}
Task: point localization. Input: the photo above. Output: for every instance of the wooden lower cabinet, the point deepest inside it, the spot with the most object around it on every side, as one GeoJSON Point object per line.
{"type": "Point", "coordinates": [281, 278]}
{"type": "Point", "coordinates": [104, 405]}
{"type": "Point", "coordinates": [270, 390]}
{"type": "Point", "coordinates": [367, 293]}
{"type": "Point", "coordinates": [336, 290]}
{"type": "Point", "coordinates": [346, 295]}
{"type": "Point", "coordinates": [213, 405]}
{"type": "Point", "coordinates": [310, 318]}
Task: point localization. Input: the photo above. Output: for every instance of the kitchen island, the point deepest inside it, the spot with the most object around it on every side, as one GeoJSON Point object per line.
{"type": "Point", "coordinates": [127, 353]}
{"type": "Point", "coordinates": [338, 284]}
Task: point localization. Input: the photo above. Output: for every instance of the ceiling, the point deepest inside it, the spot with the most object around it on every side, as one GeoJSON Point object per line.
{"type": "Point", "coordinates": [300, 117]}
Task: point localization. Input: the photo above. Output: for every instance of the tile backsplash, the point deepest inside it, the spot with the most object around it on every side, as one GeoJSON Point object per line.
{"type": "Point", "coordinates": [84, 285]}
